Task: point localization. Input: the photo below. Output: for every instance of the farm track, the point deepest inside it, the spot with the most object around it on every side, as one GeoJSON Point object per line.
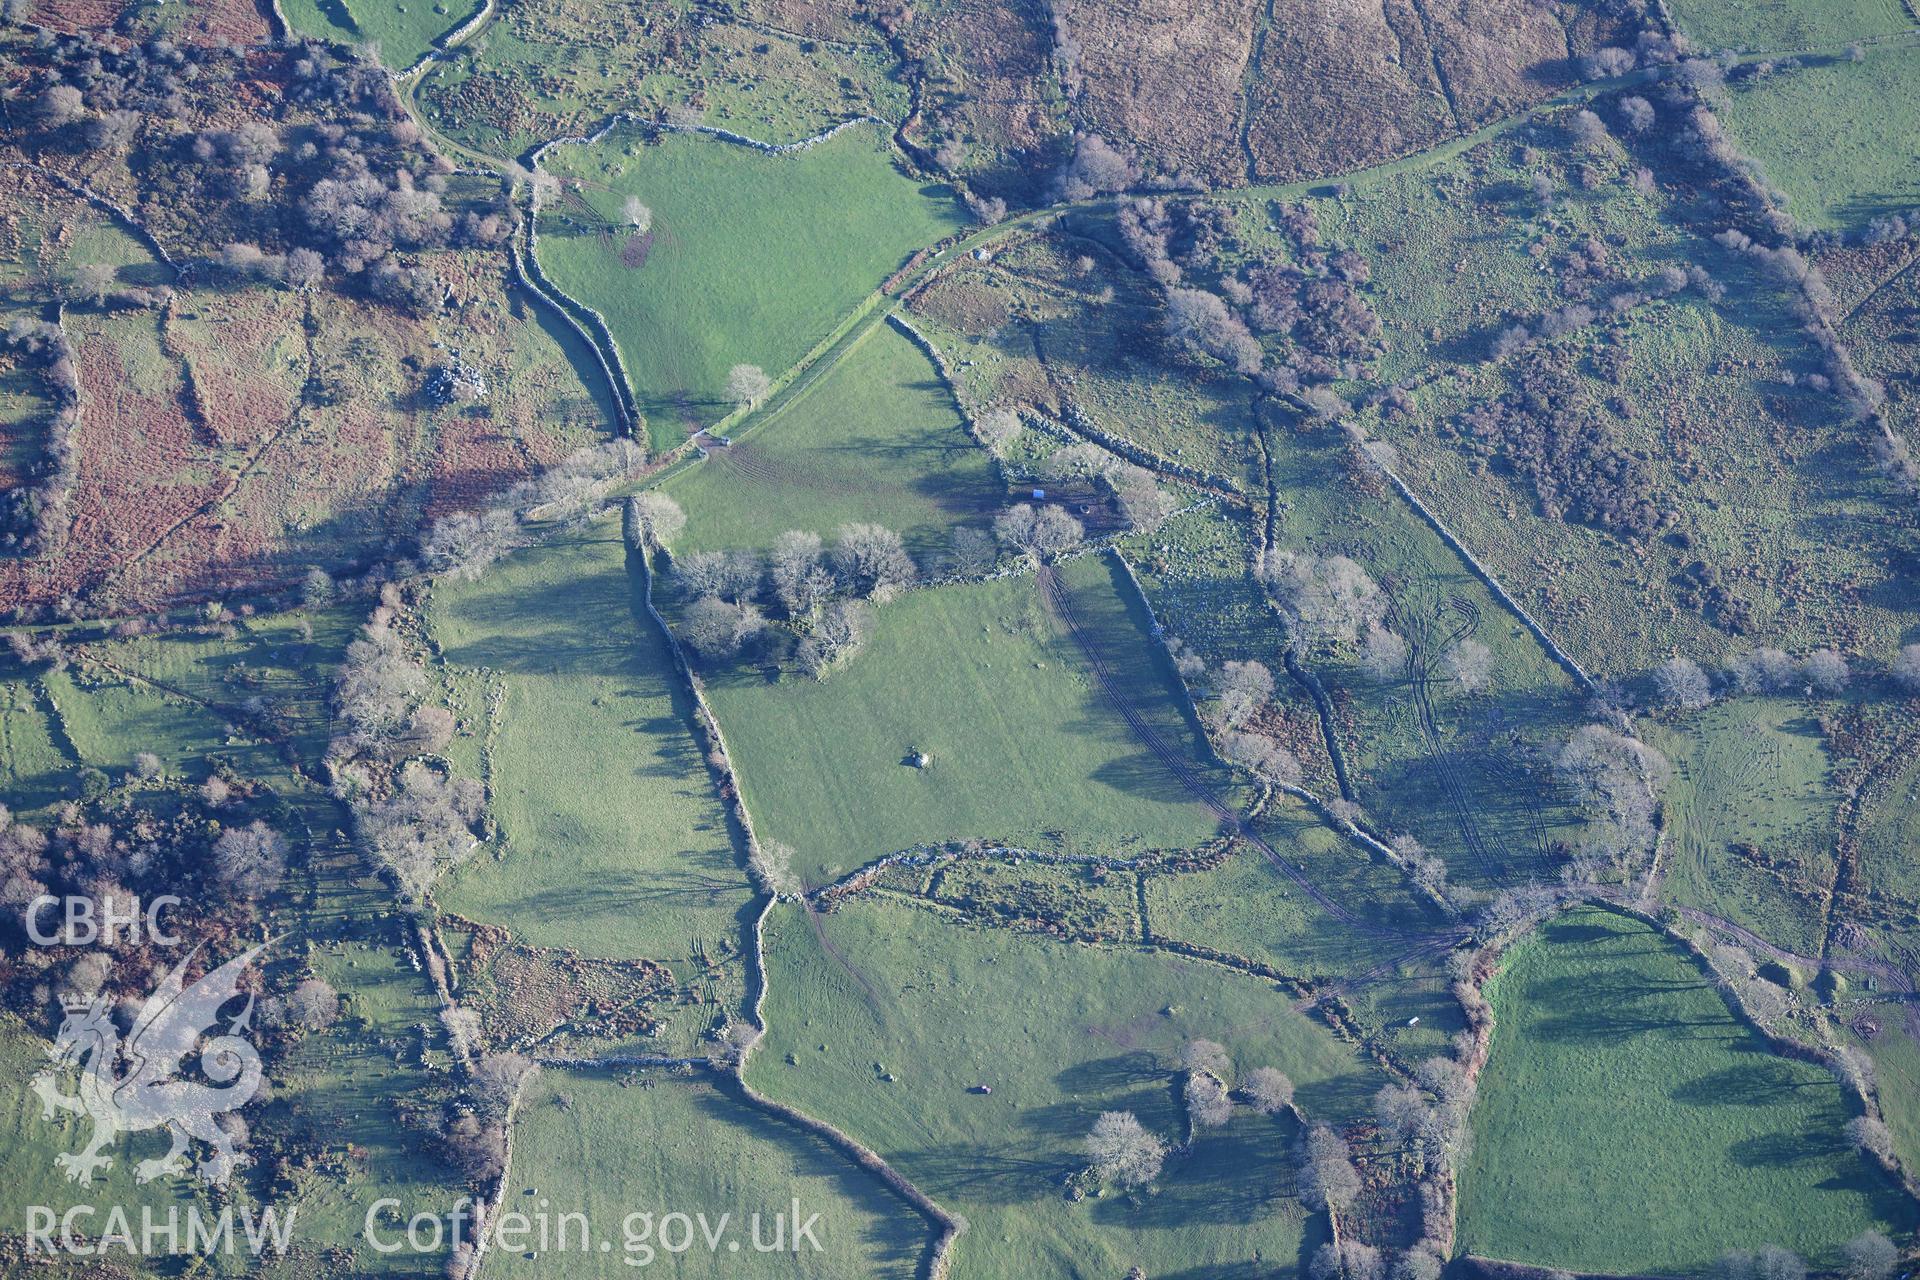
{"type": "Point", "coordinates": [1060, 602]}
{"type": "Point", "coordinates": [1896, 978]}
{"type": "Point", "coordinates": [1420, 667]}
{"type": "Point", "coordinates": [1847, 847]}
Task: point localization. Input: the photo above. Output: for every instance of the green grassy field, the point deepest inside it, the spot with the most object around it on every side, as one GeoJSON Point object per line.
{"type": "Point", "coordinates": [32, 762]}
{"type": "Point", "coordinates": [1024, 747]}
{"type": "Point", "coordinates": [1060, 1033]}
{"type": "Point", "coordinates": [1842, 139]}
{"type": "Point", "coordinates": [335, 1094]}
{"type": "Point", "coordinates": [754, 257]}
{"type": "Point", "coordinates": [612, 841]}
{"type": "Point", "coordinates": [403, 29]}
{"type": "Point", "coordinates": [612, 1147]}
{"type": "Point", "coordinates": [1629, 1124]}
{"type": "Point", "coordinates": [1751, 816]}
{"type": "Point", "coordinates": [879, 439]}
{"type": "Point", "coordinates": [28, 1145]}
{"type": "Point", "coordinates": [1787, 25]}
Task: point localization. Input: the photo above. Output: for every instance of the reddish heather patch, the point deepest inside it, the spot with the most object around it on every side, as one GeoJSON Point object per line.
{"type": "Point", "coordinates": [238, 391]}
{"type": "Point", "coordinates": [240, 21]}
{"type": "Point", "coordinates": [79, 15]}
{"type": "Point", "coordinates": [633, 253]}
{"type": "Point", "coordinates": [475, 459]}
{"type": "Point", "coordinates": [141, 469]}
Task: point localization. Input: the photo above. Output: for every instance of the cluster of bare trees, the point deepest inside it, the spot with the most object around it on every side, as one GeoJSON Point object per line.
{"type": "Point", "coordinates": [822, 591]}
{"type": "Point", "coordinates": [1327, 1179]}
{"type": "Point", "coordinates": [1094, 169]}
{"type": "Point", "coordinates": [1124, 1153]}
{"type": "Point", "coordinates": [118, 850]}
{"type": "Point", "coordinates": [1682, 684]}
{"type": "Point", "coordinates": [1136, 495]}
{"type": "Point", "coordinates": [1039, 532]}
{"type": "Point", "coordinates": [1242, 691]}
{"type": "Point", "coordinates": [1618, 779]}
{"type": "Point", "coordinates": [472, 1130]}
{"type": "Point", "coordinates": [347, 193]}
{"type": "Point", "coordinates": [32, 515]}
{"type": "Point", "coordinates": [1325, 599]}
{"type": "Point", "coordinates": [413, 817]}
{"type": "Point", "coordinates": [1313, 307]}
{"type": "Point", "coordinates": [465, 543]}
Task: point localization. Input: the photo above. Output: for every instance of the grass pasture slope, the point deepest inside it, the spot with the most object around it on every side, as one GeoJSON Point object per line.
{"type": "Point", "coordinates": [613, 1145]}
{"type": "Point", "coordinates": [403, 29]}
{"type": "Point", "coordinates": [335, 1094]}
{"type": "Point", "coordinates": [1751, 816]}
{"type": "Point", "coordinates": [611, 840]}
{"type": "Point", "coordinates": [1841, 138]}
{"type": "Point", "coordinates": [1788, 25]}
{"type": "Point", "coordinates": [878, 439]}
{"type": "Point", "coordinates": [1025, 747]}
{"type": "Point", "coordinates": [752, 257]}
{"type": "Point", "coordinates": [887, 1031]}
{"type": "Point", "coordinates": [1629, 1123]}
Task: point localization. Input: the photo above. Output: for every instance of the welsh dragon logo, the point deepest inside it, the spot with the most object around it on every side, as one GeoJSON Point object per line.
{"type": "Point", "coordinates": [146, 1095]}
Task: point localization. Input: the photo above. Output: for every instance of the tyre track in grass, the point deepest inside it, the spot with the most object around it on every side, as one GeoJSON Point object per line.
{"type": "Point", "coordinates": [1420, 665]}
{"type": "Point", "coordinates": [1059, 601]}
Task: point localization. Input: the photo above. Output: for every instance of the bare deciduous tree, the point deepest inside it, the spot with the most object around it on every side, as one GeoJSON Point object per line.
{"type": "Point", "coordinates": [1383, 655]}
{"type": "Point", "coordinates": [998, 427]}
{"type": "Point", "coordinates": [1208, 1106]}
{"type": "Point", "coordinates": [1328, 1179]}
{"type": "Point", "coordinates": [1040, 532]}
{"type": "Point", "coordinates": [313, 1005]}
{"type": "Point", "coordinates": [1870, 1256]}
{"type": "Point", "coordinates": [771, 863]}
{"type": "Point", "coordinates": [1268, 1090]}
{"type": "Point", "coordinates": [1206, 1055]}
{"type": "Point", "coordinates": [1324, 598]}
{"type": "Point", "coordinates": [1245, 690]}
{"type": "Point", "coordinates": [657, 514]}
{"type": "Point", "coordinates": [1402, 1111]}
{"type": "Point", "coordinates": [801, 580]}
{"type": "Point", "coordinates": [250, 860]}
{"type": "Point", "coordinates": [717, 629]}
{"type": "Point", "coordinates": [1826, 672]}
{"type": "Point", "coordinates": [1765, 670]}
{"type": "Point", "coordinates": [872, 560]}
{"type": "Point", "coordinates": [1906, 668]}
{"type": "Point", "coordinates": [1871, 1136]}
{"type": "Point", "coordinates": [746, 383]}
{"type": "Point", "coordinates": [495, 1079]}
{"type": "Point", "coordinates": [1123, 1152]}
{"type": "Point", "coordinates": [1682, 684]}
{"type": "Point", "coordinates": [464, 544]}
{"type": "Point", "coordinates": [379, 684]}
{"type": "Point", "coordinates": [1347, 1260]}
{"type": "Point", "coordinates": [971, 551]}
{"type": "Point", "coordinates": [1143, 504]}
{"type": "Point", "coordinates": [840, 633]}
{"type": "Point", "coordinates": [637, 215]}
{"type": "Point", "coordinates": [1471, 663]}
{"type": "Point", "coordinates": [1261, 756]}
